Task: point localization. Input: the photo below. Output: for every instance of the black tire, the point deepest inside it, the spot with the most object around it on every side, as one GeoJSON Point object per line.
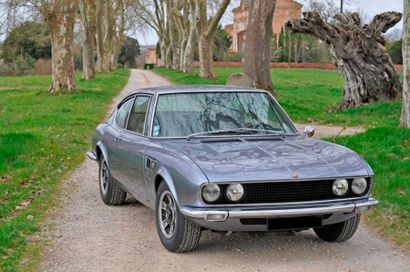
{"type": "Point", "coordinates": [186, 234]}
{"type": "Point", "coordinates": [111, 192]}
{"type": "Point", "coordinates": [340, 232]}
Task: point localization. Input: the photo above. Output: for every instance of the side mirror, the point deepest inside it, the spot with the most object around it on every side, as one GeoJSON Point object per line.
{"type": "Point", "coordinates": [309, 131]}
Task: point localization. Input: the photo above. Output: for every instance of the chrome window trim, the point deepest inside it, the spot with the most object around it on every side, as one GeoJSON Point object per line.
{"type": "Point", "coordinates": [146, 115]}
{"type": "Point", "coordinates": [128, 97]}
{"type": "Point", "coordinates": [270, 96]}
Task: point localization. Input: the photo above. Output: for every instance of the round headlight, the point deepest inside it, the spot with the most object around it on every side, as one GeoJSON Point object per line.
{"type": "Point", "coordinates": [234, 192]}
{"type": "Point", "coordinates": [211, 192]}
{"type": "Point", "coordinates": [340, 187]}
{"type": "Point", "coordinates": [359, 186]}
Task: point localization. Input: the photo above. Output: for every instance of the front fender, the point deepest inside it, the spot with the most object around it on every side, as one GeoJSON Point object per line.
{"type": "Point", "coordinates": [167, 178]}
{"type": "Point", "coordinates": [103, 150]}
{"type": "Point", "coordinates": [183, 177]}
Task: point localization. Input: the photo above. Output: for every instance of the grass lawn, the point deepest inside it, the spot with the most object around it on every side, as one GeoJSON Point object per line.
{"type": "Point", "coordinates": [42, 137]}
{"type": "Point", "coordinates": [312, 96]}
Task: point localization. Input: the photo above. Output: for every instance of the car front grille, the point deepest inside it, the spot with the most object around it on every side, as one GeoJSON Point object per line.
{"type": "Point", "coordinates": [292, 191]}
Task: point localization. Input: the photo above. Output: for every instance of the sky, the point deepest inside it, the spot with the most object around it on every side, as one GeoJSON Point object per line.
{"type": "Point", "coordinates": [369, 7]}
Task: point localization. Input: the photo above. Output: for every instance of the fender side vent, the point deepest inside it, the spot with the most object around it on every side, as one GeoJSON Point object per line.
{"type": "Point", "coordinates": [220, 140]}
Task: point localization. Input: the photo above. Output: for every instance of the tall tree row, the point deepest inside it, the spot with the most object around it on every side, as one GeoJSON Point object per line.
{"type": "Point", "coordinates": [180, 25]}
{"type": "Point", "coordinates": [110, 33]}
{"type": "Point", "coordinates": [103, 32]}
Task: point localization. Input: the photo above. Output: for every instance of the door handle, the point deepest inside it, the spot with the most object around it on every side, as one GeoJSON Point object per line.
{"type": "Point", "coordinates": [118, 139]}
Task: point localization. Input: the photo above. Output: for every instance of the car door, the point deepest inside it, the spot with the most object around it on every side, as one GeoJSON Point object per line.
{"type": "Point", "coordinates": [114, 136]}
{"type": "Point", "coordinates": [133, 144]}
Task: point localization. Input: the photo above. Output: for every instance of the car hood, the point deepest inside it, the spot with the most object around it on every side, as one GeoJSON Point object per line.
{"type": "Point", "coordinates": [278, 159]}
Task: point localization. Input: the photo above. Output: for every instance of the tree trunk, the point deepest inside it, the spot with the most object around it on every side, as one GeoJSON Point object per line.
{"type": "Point", "coordinates": [101, 54]}
{"type": "Point", "coordinates": [206, 63]}
{"type": "Point", "coordinates": [60, 17]}
{"type": "Point", "coordinates": [405, 115]}
{"type": "Point", "coordinates": [88, 23]}
{"type": "Point", "coordinates": [359, 53]}
{"type": "Point", "coordinates": [188, 58]}
{"type": "Point", "coordinates": [204, 29]}
{"type": "Point", "coordinates": [257, 44]}
{"type": "Point", "coordinates": [163, 53]}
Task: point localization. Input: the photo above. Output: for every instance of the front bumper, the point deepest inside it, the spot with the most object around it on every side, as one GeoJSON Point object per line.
{"type": "Point", "coordinates": [91, 155]}
{"type": "Point", "coordinates": [340, 210]}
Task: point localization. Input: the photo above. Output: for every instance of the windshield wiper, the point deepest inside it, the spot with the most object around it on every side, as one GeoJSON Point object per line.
{"type": "Point", "coordinates": [235, 131]}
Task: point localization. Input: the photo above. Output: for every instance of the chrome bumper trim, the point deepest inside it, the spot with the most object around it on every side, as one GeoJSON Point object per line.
{"type": "Point", "coordinates": [91, 155]}
{"type": "Point", "coordinates": [276, 212]}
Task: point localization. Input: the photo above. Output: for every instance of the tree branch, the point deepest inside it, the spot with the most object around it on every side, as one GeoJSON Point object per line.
{"type": "Point", "coordinates": [217, 18]}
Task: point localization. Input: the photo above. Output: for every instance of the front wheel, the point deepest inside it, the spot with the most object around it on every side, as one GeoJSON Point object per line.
{"type": "Point", "coordinates": [176, 233]}
{"type": "Point", "coordinates": [110, 191]}
{"type": "Point", "coordinates": [339, 232]}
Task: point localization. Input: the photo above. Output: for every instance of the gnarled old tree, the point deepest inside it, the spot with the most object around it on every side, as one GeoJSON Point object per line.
{"type": "Point", "coordinates": [60, 16]}
{"type": "Point", "coordinates": [359, 53]}
{"type": "Point", "coordinates": [88, 12]}
{"type": "Point", "coordinates": [258, 42]}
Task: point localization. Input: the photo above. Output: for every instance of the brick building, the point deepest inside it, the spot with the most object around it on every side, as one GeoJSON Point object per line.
{"type": "Point", "coordinates": [151, 56]}
{"type": "Point", "coordinates": [285, 10]}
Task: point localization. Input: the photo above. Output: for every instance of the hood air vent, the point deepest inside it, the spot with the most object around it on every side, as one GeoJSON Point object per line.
{"type": "Point", "coordinates": [220, 140]}
{"type": "Point", "coordinates": [264, 139]}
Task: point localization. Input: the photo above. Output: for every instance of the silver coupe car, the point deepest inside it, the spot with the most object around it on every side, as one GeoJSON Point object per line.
{"type": "Point", "coordinates": [227, 159]}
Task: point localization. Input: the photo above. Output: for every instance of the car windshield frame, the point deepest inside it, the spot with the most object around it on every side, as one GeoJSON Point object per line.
{"type": "Point", "coordinates": [277, 107]}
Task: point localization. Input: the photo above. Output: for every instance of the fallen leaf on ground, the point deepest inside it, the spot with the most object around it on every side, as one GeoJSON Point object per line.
{"type": "Point", "coordinates": [402, 192]}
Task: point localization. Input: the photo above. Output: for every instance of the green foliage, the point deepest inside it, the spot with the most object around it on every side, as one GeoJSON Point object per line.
{"type": "Point", "coordinates": [25, 63]}
{"type": "Point", "coordinates": [221, 43]}
{"type": "Point", "coordinates": [395, 51]}
{"type": "Point", "coordinates": [30, 39]}
{"type": "Point", "coordinates": [312, 96]}
{"type": "Point", "coordinates": [42, 137]}
{"type": "Point", "coordinates": [129, 52]}
{"type": "Point", "coordinates": [232, 56]}
{"type": "Point", "coordinates": [297, 47]}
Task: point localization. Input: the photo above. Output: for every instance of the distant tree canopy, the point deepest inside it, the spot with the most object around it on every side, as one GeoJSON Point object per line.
{"type": "Point", "coordinates": [129, 52]}
{"type": "Point", "coordinates": [298, 47]}
{"type": "Point", "coordinates": [221, 43]}
{"type": "Point", "coordinates": [395, 51]}
{"type": "Point", "coordinates": [28, 40]}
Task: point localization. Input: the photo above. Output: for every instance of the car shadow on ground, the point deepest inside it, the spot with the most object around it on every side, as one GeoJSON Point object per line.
{"type": "Point", "coordinates": [282, 245]}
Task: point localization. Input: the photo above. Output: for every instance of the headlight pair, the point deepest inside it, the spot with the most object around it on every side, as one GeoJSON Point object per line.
{"type": "Point", "coordinates": [212, 192]}
{"type": "Point", "coordinates": [341, 186]}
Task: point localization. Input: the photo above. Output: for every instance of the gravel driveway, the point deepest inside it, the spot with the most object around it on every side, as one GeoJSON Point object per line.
{"type": "Point", "coordinates": [86, 235]}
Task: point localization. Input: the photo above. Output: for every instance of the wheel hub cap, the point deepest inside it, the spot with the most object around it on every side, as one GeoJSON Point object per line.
{"type": "Point", "coordinates": [167, 214]}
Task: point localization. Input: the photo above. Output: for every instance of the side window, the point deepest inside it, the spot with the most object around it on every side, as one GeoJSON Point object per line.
{"type": "Point", "coordinates": [123, 112]}
{"type": "Point", "coordinates": [138, 114]}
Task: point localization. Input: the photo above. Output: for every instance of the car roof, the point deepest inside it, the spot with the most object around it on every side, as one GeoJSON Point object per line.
{"type": "Point", "coordinates": [194, 89]}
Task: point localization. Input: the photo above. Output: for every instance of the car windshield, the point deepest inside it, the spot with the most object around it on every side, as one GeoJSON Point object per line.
{"type": "Point", "coordinates": [219, 113]}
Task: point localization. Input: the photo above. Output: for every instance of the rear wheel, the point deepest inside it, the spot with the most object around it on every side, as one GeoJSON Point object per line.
{"type": "Point", "coordinates": [110, 191]}
{"type": "Point", "coordinates": [339, 232]}
{"type": "Point", "coordinates": [176, 233]}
